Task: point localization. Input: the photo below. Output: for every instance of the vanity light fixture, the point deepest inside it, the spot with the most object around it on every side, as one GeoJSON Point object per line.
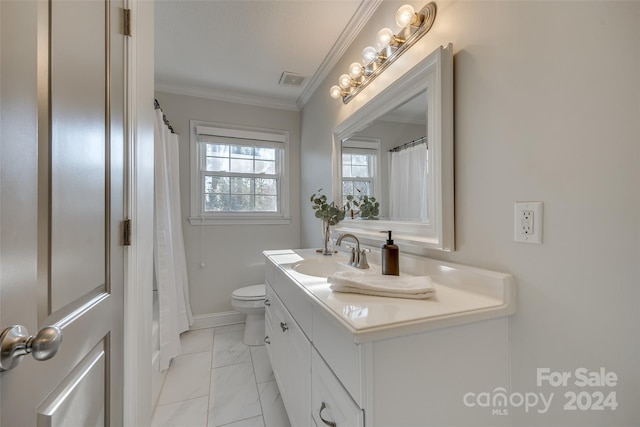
{"type": "Point", "coordinates": [413, 25]}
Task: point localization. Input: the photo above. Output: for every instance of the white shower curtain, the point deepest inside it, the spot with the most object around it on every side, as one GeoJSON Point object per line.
{"type": "Point", "coordinates": [170, 266]}
{"type": "Point", "coordinates": [408, 181]}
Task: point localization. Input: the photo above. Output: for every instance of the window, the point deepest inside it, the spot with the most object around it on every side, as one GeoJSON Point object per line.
{"type": "Point", "coordinates": [359, 166]}
{"type": "Point", "coordinates": [238, 176]}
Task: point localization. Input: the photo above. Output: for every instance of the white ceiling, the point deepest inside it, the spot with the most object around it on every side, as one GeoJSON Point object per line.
{"type": "Point", "coordinates": [237, 50]}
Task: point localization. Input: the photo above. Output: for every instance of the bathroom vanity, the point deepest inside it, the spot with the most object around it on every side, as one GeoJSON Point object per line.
{"type": "Point", "coordinates": [344, 359]}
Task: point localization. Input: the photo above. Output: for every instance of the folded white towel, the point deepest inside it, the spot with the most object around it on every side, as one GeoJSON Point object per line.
{"type": "Point", "coordinates": [414, 287]}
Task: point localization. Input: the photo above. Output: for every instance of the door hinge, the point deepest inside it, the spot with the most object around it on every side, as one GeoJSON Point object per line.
{"type": "Point", "coordinates": [127, 21]}
{"type": "Point", "coordinates": [126, 232]}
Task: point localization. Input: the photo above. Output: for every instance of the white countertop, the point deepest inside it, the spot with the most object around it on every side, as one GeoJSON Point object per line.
{"type": "Point", "coordinates": [463, 295]}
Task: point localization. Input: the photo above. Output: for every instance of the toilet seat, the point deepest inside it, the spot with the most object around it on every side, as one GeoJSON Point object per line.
{"type": "Point", "coordinates": [249, 293]}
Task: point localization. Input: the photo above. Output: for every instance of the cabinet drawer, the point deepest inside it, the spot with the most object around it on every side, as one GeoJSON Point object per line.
{"type": "Point", "coordinates": [330, 402]}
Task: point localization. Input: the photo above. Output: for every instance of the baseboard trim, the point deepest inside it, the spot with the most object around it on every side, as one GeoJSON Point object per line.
{"type": "Point", "coordinates": [212, 320]}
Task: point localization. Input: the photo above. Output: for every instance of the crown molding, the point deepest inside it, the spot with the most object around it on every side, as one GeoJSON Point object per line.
{"type": "Point", "coordinates": [220, 95]}
{"type": "Point", "coordinates": [356, 23]}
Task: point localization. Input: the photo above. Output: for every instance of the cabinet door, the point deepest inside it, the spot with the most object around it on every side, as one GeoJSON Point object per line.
{"type": "Point", "coordinates": [298, 365]}
{"type": "Point", "coordinates": [331, 403]}
{"type": "Point", "coordinates": [290, 353]}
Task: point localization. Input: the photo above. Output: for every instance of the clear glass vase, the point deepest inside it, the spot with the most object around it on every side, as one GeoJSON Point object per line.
{"type": "Point", "coordinates": [327, 243]}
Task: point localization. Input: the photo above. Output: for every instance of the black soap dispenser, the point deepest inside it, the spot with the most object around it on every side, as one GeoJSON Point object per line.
{"type": "Point", "coordinates": [390, 257]}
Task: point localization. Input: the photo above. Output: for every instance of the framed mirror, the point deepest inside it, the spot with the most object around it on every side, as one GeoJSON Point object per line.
{"type": "Point", "coordinates": [394, 158]}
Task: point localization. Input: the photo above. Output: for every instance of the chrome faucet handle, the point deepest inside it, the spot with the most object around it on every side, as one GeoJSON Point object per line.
{"type": "Point", "coordinates": [362, 260]}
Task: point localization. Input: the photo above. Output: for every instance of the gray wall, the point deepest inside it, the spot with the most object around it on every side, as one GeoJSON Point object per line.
{"type": "Point", "coordinates": [232, 254]}
{"type": "Point", "coordinates": [546, 109]}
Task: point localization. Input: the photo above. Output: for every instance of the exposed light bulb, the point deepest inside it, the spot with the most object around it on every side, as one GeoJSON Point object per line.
{"type": "Point", "coordinates": [387, 48]}
{"type": "Point", "coordinates": [335, 92]}
{"type": "Point", "coordinates": [384, 37]}
{"type": "Point", "coordinates": [405, 15]}
{"type": "Point", "coordinates": [369, 54]}
{"type": "Point", "coordinates": [344, 81]}
{"type": "Point", "coordinates": [355, 70]}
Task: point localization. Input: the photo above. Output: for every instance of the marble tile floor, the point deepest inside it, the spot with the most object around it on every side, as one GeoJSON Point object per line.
{"type": "Point", "coordinates": [219, 381]}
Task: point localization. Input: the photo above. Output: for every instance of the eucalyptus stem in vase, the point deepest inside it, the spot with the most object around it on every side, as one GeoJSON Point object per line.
{"type": "Point", "coordinates": [330, 214]}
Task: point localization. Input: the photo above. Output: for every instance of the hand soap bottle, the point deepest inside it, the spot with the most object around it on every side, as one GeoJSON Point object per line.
{"type": "Point", "coordinates": [390, 257]}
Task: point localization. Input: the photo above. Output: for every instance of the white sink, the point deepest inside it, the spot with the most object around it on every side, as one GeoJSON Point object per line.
{"type": "Point", "coordinates": [326, 266]}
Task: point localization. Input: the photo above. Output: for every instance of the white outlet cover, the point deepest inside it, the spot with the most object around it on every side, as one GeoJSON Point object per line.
{"type": "Point", "coordinates": [525, 228]}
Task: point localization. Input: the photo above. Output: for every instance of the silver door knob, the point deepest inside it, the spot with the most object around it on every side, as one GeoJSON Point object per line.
{"type": "Point", "coordinates": [15, 342]}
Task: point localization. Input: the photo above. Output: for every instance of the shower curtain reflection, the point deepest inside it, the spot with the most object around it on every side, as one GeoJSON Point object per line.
{"type": "Point", "coordinates": [408, 184]}
{"type": "Point", "coordinates": [170, 267]}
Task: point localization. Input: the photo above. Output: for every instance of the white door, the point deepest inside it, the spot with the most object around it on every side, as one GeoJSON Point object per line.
{"type": "Point", "coordinates": [61, 207]}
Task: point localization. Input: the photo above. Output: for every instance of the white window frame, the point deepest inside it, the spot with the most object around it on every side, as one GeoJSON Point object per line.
{"type": "Point", "coordinates": [369, 146]}
{"type": "Point", "coordinates": [197, 154]}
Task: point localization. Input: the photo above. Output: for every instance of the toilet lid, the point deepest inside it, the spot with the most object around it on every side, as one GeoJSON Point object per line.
{"type": "Point", "coordinates": [254, 292]}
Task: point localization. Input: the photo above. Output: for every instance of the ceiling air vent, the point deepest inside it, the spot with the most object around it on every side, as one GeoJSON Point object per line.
{"type": "Point", "coordinates": [291, 79]}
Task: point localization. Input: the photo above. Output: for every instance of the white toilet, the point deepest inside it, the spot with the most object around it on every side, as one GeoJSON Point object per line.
{"type": "Point", "coordinates": [250, 301]}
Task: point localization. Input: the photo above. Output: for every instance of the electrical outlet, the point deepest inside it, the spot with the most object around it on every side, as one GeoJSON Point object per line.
{"type": "Point", "coordinates": [528, 222]}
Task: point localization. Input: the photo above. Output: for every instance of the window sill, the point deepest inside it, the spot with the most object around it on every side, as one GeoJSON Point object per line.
{"type": "Point", "coordinates": [239, 221]}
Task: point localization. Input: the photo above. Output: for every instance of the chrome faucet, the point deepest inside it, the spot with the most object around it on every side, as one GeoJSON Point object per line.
{"type": "Point", "coordinates": [358, 257]}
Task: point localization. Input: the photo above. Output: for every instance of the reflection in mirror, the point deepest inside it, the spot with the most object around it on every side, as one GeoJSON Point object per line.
{"type": "Point", "coordinates": [393, 159]}
{"type": "Point", "coordinates": [360, 174]}
{"type": "Point", "coordinates": [388, 160]}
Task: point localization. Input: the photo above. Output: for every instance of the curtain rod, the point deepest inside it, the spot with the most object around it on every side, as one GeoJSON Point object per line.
{"type": "Point", "coordinates": [156, 106]}
{"type": "Point", "coordinates": [409, 144]}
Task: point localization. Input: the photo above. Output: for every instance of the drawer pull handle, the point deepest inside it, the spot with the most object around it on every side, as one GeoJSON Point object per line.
{"type": "Point", "coordinates": [267, 303]}
{"type": "Point", "coordinates": [284, 326]}
{"type": "Point", "coordinates": [267, 340]}
{"type": "Point", "coordinates": [329, 423]}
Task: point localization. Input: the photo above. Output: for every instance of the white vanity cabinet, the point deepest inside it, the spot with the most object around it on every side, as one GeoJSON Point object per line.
{"type": "Point", "coordinates": [349, 360]}
{"type": "Point", "coordinates": [307, 384]}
